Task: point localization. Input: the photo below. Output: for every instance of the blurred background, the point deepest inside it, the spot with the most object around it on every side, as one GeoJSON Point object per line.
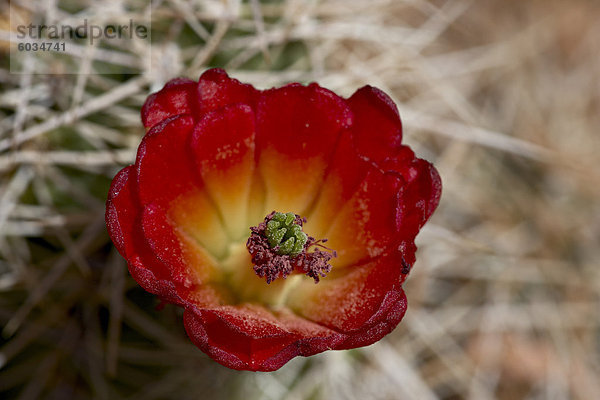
{"type": "Point", "coordinates": [502, 96]}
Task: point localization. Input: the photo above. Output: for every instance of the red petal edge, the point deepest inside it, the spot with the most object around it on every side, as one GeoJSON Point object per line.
{"type": "Point", "coordinates": [223, 336]}
{"type": "Point", "coordinates": [124, 228]}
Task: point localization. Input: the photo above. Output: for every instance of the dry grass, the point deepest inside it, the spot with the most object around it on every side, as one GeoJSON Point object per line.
{"type": "Point", "coordinates": [503, 96]}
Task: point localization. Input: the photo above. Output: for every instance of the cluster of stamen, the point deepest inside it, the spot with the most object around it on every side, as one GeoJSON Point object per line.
{"type": "Point", "coordinates": [278, 247]}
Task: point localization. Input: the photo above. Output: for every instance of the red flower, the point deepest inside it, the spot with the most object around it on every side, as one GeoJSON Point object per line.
{"type": "Point", "coordinates": [218, 157]}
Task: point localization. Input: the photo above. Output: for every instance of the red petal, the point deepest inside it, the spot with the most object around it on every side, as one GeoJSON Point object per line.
{"type": "Point", "coordinates": [390, 314]}
{"type": "Point", "coordinates": [297, 128]}
{"type": "Point", "coordinates": [366, 225]}
{"type": "Point", "coordinates": [167, 176]}
{"type": "Point", "coordinates": [249, 337]}
{"type": "Point", "coordinates": [216, 89]}
{"type": "Point", "coordinates": [419, 198]}
{"type": "Point", "coordinates": [241, 337]}
{"type": "Point", "coordinates": [164, 161]}
{"type": "Point", "coordinates": [123, 226]}
{"type": "Point", "coordinates": [223, 146]}
{"type": "Point", "coordinates": [146, 278]}
{"type": "Point", "coordinates": [359, 298]}
{"type": "Point", "coordinates": [346, 171]}
{"type": "Point", "coordinates": [363, 218]}
{"type": "Point", "coordinates": [188, 262]}
{"type": "Point", "coordinates": [375, 133]}
{"type": "Point", "coordinates": [177, 97]}
{"type": "Point", "coordinates": [315, 338]}
{"type": "Point", "coordinates": [377, 129]}
{"type": "Point", "coordinates": [153, 274]}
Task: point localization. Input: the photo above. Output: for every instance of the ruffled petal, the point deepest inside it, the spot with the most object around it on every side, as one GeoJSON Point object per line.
{"type": "Point", "coordinates": [251, 338]}
{"type": "Point", "coordinates": [240, 337]}
{"type": "Point", "coordinates": [297, 128]}
{"type": "Point", "coordinates": [179, 96]}
{"type": "Point", "coordinates": [223, 147]}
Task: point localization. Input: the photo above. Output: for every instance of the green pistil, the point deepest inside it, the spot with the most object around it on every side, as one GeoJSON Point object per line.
{"type": "Point", "coordinates": [285, 231]}
{"type": "Point", "coordinates": [278, 248]}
